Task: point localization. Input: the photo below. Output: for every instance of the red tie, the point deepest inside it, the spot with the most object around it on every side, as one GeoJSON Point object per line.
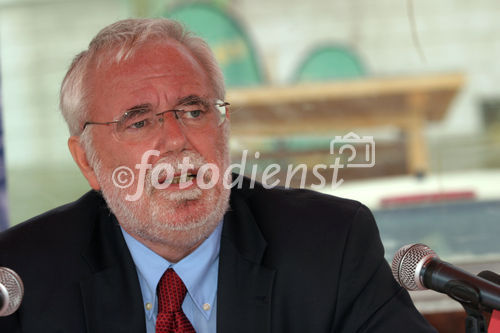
{"type": "Point", "coordinates": [171, 292]}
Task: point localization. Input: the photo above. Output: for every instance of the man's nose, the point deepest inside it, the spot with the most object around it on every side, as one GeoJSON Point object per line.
{"type": "Point", "coordinates": [172, 134]}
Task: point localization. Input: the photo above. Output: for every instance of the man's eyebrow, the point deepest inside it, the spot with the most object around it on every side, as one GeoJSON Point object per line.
{"type": "Point", "coordinates": [192, 100]}
{"type": "Point", "coordinates": [136, 110]}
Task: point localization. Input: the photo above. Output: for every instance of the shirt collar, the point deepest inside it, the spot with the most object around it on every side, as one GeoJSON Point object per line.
{"type": "Point", "coordinates": [198, 270]}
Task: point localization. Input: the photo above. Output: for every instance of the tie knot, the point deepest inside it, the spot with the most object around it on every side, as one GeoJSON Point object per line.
{"type": "Point", "coordinates": [171, 292]}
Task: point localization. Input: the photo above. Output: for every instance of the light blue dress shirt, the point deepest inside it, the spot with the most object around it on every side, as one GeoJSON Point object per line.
{"type": "Point", "coordinates": [198, 271]}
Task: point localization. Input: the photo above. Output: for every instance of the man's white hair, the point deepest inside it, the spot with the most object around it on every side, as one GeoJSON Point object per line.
{"type": "Point", "coordinates": [118, 42]}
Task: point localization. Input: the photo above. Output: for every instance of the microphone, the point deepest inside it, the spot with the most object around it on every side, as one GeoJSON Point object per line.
{"type": "Point", "coordinates": [417, 267]}
{"type": "Point", "coordinates": [11, 291]}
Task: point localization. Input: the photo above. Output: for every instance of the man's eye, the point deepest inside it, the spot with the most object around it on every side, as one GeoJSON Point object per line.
{"type": "Point", "coordinates": [137, 124]}
{"type": "Point", "coordinates": [193, 114]}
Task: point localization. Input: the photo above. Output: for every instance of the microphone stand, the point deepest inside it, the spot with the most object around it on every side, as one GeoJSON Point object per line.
{"type": "Point", "coordinates": [474, 323]}
{"type": "Point", "coordinates": [468, 296]}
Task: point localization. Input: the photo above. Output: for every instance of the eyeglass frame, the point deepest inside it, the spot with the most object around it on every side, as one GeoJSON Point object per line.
{"type": "Point", "coordinates": [219, 103]}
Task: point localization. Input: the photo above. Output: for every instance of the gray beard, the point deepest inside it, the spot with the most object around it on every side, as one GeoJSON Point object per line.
{"type": "Point", "coordinates": [156, 221]}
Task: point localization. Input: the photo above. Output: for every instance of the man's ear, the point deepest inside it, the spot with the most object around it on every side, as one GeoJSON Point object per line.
{"type": "Point", "coordinates": [80, 158]}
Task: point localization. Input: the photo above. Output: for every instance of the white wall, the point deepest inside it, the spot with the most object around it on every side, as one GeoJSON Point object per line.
{"type": "Point", "coordinates": [455, 35]}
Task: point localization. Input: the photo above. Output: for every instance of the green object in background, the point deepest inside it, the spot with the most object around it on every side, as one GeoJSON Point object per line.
{"type": "Point", "coordinates": [231, 46]}
{"type": "Point", "coordinates": [330, 63]}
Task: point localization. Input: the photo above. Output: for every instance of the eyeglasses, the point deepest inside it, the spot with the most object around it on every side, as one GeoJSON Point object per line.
{"type": "Point", "coordinates": [140, 123]}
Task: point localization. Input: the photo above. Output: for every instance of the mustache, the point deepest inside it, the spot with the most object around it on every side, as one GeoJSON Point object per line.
{"type": "Point", "coordinates": [195, 160]}
{"type": "Point", "coordinates": [188, 161]}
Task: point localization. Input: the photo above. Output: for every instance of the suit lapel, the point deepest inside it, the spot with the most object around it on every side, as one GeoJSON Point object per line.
{"type": "Point", "coordinates": [245, 286]}
{"type": "Point", "coordinates": [111, 296]}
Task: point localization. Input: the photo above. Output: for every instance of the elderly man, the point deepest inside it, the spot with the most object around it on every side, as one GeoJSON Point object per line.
{"type": "Point", "coordinates": [179, 256]}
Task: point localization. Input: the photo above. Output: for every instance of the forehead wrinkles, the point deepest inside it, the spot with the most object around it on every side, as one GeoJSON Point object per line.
{"type": "Point", "coordinates": [154, 61]}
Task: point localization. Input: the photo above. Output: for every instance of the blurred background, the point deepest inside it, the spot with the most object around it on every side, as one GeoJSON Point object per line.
{"type": "Point", "coordinates": [409, 87]}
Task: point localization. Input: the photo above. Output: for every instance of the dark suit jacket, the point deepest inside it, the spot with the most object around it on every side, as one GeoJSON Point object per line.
{"type": "Point", "coordinates": [290, 261]}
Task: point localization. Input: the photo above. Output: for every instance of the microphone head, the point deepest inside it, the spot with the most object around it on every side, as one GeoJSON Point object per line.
{"type": "Point", "coordinates": [11, 290]}
{"type": "Point", "coordinates": [408, 263]}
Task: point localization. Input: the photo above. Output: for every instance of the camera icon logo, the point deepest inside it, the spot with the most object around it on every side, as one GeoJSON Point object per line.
{"type": "Point", "coordinates": [349, 142]}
